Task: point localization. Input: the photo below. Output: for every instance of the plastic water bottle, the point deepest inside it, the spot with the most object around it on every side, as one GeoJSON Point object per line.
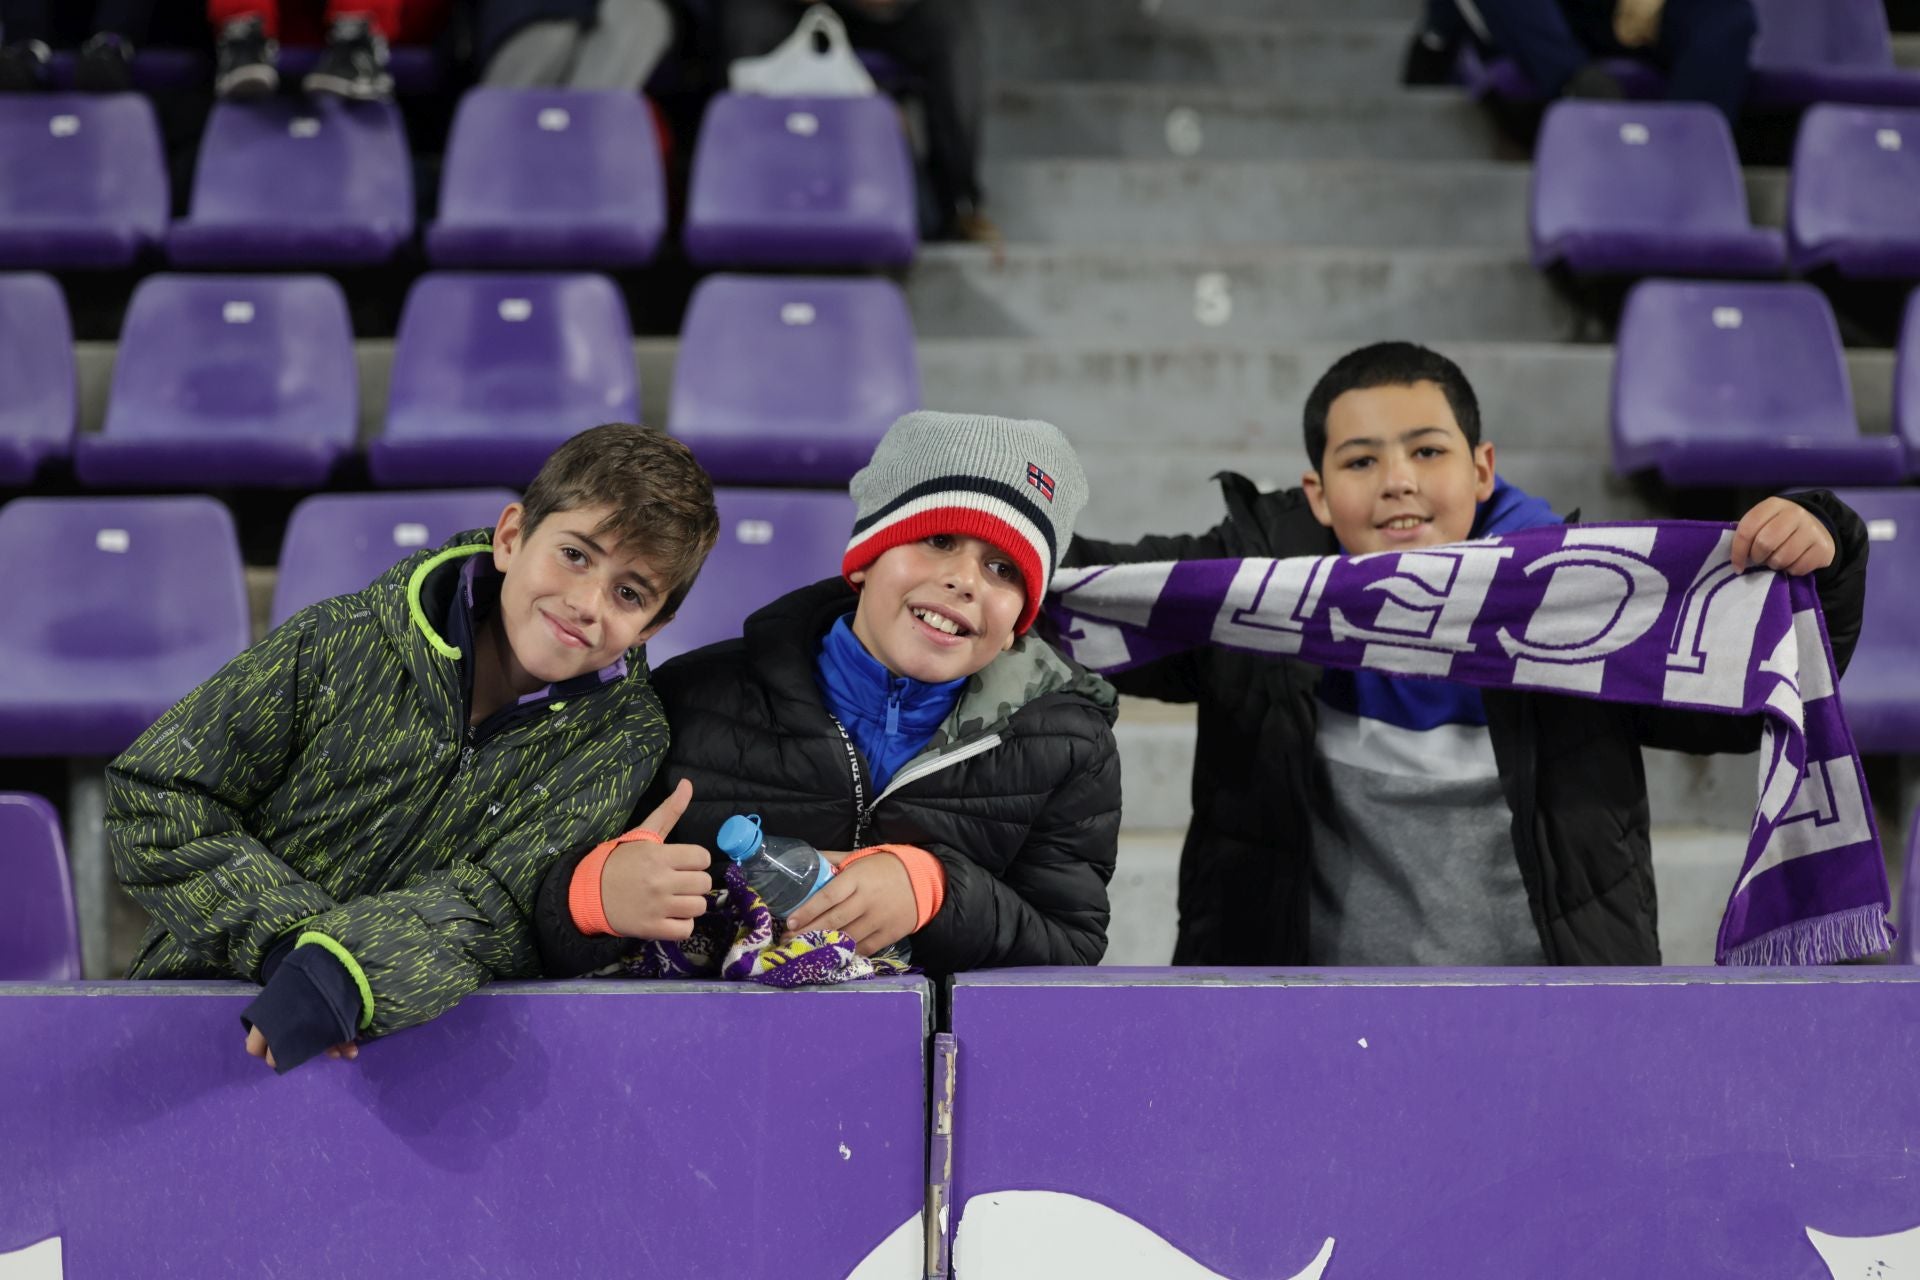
{"type": "Point", "coordinates": [785, 872]}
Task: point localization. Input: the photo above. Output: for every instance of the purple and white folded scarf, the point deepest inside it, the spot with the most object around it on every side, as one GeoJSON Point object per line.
{"type": "Point", "coordinates": [1648, 613]}
{"type": "Point", "coordinates": [738, 940]}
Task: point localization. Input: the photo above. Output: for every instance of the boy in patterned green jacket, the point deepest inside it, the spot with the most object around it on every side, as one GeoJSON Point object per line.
{"type": "Point", "coordinates": [357, 811]}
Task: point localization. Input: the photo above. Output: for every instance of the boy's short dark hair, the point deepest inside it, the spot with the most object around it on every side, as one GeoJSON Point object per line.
{"type": "Point", "coordinates": [662, 499]}
{"type": "Point", "coordinates": [1388, 364]}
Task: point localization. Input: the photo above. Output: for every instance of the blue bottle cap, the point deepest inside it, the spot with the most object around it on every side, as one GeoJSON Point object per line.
{"type": "Point", "coordinates": [740, 836]}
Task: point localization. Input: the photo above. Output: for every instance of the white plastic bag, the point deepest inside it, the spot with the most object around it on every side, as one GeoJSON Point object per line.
{"type": "Point", "coordinates": [799, 70]}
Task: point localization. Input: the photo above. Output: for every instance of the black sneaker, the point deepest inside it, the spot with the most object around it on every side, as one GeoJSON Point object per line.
{"type": "Point", "coordinates": [23, 66]}
{"type": "Point", "coordinates": [245, 68]}
{"type": "Point", "coordinates": [1596, 83]}
{"type": "Point", "coordinates": [354, 65]}
{"type": "Point", "coordinates": [105, 65]}
{"type": "Point", "coordinates": [1429, 61]}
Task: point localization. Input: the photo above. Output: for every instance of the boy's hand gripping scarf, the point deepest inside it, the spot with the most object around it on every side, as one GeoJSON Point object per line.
{"type": "Point", "coordinates": [737, 940]}
{"type": "Point", "coordinates": [1649, 613]}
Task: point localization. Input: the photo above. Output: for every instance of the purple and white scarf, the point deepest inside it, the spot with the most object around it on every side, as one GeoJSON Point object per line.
{"type": "Point", "coordinates": [1647, 613]}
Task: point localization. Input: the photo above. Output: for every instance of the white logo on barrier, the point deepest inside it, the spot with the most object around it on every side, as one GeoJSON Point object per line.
{"type": "Point", "coordinates": [1270, 602]}
{"type": "Point", "coordinates": [1431, 605]}
{"type": "Point", "coordinates": [40, 1261]}
{"type": "Point", "coordinates": [1596, 573]}
{"type": "Point", "coordinates": [1708, 656]}
{"type": "Point", "coordinates": [1891, 1257]}
{"type": "Point", "coordinates": [1043, 1235]}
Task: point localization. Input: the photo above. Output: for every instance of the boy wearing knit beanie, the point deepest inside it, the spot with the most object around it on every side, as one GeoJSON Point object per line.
{"type": "Point", "coordinates": [902, 717]}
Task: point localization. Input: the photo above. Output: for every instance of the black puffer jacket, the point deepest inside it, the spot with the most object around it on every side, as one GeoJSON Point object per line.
{"type": "Point", "coordinates": [1017, 794]}
{"type": "Point", "coordinates": [1570, 767]}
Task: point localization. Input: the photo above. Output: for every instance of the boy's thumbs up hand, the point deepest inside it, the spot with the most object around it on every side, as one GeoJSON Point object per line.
{"type": "Point", "coordinates": [650, 889]}
{"type": "Point", "coordinates": [661, 821]}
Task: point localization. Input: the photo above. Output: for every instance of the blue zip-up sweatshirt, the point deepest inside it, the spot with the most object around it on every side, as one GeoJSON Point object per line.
{"type": "Point", "coordinates": [888, 717]}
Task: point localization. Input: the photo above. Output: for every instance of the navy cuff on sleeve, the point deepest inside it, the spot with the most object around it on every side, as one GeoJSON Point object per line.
{"type": "Point", "coordinates": [308, 1006]}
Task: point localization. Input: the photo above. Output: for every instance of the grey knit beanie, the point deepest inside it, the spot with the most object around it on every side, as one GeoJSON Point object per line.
{"type": "Point", "coordinates": [1011, 483]}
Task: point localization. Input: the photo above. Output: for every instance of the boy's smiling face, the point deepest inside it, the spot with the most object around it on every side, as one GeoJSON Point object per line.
{"type": "Point", "coordinates": [572, 599]}
{"type": "Point", "coordinates": [940, 608]}
{"type": "Point", "coordinates": [1398, 472]}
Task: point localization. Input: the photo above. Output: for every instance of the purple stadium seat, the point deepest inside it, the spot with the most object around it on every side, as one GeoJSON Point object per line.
{"type": "Point", "coordinates": [771, 542]}
{"type": "Point", "coordinates": [791, 379]}
{"type": "Point", "coordinates": [37, 380]}
{"type": "Point", "coordinates": [83, 181]}
{"type": "Point", "coordinates": [492, 373]}
{"type": "Point", "coordinates": [291, 183]}
{"type": "Point", "coordinates": [805, 182]}
{"type": "Point", "coordinates": [228, 380]}
{"type": "Point", "coordinates": [337, 543]}
{"type": "Point", "coordinates": [1881, 689]}
{"type": "Point", "coordinates": [1739, 384]}
{"type": "Point", "coordinates": [1855, 186]}
{"type": "Point", "coordinates": [1826, 51]}
{"type": "Point", "coordinates": [550, 178]}
{"type": "Point", "coordinates": [1492, 76]}
{"type": "Point", "coordinates": [116, 608]}
{"type": "Point", "coordinates": [1906, 384]}
{"type": "Point", "coordinates": [1641, 189]}
{"type": "Point", "coordinates": [39, 933]}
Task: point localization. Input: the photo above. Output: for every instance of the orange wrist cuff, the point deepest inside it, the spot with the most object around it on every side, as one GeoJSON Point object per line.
{"type": "Point", "coordinates": [584, 902]}
{"type": "Point", "coordinates": [924, 873]}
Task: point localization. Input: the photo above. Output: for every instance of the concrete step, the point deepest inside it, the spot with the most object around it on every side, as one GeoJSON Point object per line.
{"type": "Point", "coordinates": [1136, 294]}
{"type": "Point", "coordinates": [1693, 872]}
{"type": "Point", "coordinates": [1354, 203]}
{"type": "Point", "coordinates": [1035, 118]}
{"type": "Point", "coordinates": [1324, 58]}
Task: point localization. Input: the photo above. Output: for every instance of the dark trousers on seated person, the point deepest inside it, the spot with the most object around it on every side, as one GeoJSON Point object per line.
{"type": "Point", "coordinates": [1702, 45]}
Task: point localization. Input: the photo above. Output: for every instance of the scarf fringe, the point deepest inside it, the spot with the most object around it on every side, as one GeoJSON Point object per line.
{"type": "Point", "coordinates": [1852, 934]}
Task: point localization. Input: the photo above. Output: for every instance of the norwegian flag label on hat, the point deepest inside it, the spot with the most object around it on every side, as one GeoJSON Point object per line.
{"type": "Point", "coordinates": [1040, 480]}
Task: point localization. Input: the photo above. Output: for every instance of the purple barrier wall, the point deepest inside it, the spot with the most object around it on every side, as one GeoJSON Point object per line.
{"type": "Point", "coordinates": [608, 1129]}
{"type": "Point", "coordinates": [1181, 1125]}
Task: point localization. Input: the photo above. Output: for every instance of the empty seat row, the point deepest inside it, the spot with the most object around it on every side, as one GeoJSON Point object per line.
{"type": "Point", "coordinates": [119, 606]}
{"type": "Point", "coordinates": [1656, 188]}
{"type": "Point", "coordinates": [252, 380]}
{"type": "Point", "coordinates": [1745, 383]}
{"type": "Point", "coordinates": [533, 178]}
{"type": "Point", "coordinates": [1838, 51]}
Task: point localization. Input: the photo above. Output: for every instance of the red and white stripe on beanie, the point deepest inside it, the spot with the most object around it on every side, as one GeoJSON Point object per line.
{"type": "Point", "coordinates": [1016, 485]}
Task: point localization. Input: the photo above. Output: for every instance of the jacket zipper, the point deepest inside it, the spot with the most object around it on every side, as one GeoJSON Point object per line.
{"type": "Point", "coordinates": [862, 810]}
{"type": "Point", "coordinates": [1529, 832]}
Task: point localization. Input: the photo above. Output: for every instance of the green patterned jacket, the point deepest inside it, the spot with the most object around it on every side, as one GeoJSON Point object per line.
{"type": "Point", "coordinates": [326, 782]}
